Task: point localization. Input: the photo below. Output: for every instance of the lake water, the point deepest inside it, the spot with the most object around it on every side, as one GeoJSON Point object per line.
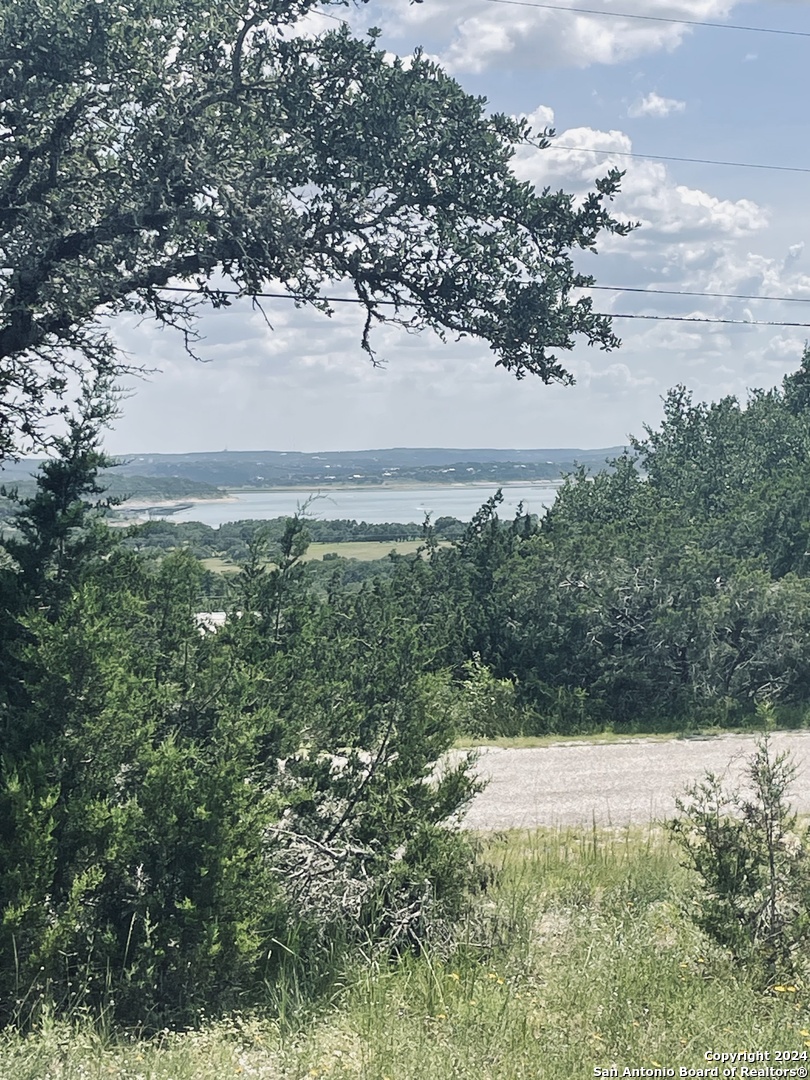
{"type": "Point", "coordinates": [374, 505]}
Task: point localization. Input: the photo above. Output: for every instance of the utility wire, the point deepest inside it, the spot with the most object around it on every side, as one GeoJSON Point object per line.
{"type": "Point", "coordinates": [601, 288]}
{"type": "Point", "coordinates": [326, 15]}
{"type": "Point", "coordinates": [669, 157]}
{"type": "Point", "coordinates": [695, 292]}
{"type": "Point", "coordinates": [600, 314]}
{"type": "Point", "coordinates": [701, 319]}
{"type": "Point", "coordinates": [653, 18]}
{"type": "Point", "coordinates": [628, 15]}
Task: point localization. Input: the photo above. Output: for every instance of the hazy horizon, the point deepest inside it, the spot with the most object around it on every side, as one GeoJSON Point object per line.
{"type": "Point", "coordinates": [374, 450]}
{"type": "Point", "coordinates": [354, 450]}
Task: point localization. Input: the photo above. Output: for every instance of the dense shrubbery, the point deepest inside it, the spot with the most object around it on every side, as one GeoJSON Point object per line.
{"type": "Point", "coordinates": [182, 812]}
{"type": "Point", "coordinates": [667, 592]}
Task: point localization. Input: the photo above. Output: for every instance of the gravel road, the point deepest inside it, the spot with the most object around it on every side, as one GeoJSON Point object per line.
{"type": "Point", "coordinates": [614, 784]}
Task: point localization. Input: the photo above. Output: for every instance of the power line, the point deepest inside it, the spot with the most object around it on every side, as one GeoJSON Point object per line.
{"type": "Point", "coordinates": [599, 314]}
{"type": "Point", "coordinates": [654, 18]}
{"type": "Point", "coordinates": [625, 15]}
{"type": "Point", "coordinates": [702, 319]}
{"type": "Point", "coordinates": [695, 292]}
{"type": "Point", "coordinates": [601, 288]}
{"type": "Point", "coordinates": [671, 157]}
{"type": "Point", "coordinates": [326, 15]}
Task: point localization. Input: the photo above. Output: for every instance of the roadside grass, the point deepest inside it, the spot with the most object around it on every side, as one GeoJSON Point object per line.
{"type": "Point", "coordinates": [785, 718]}
{"type": "Point", "coordinates": [528, 742]}
{"type": "Point", "coordinates": [579, 955]}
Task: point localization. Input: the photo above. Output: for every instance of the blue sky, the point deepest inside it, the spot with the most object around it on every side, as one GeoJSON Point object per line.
{"type": "Point", "coordinates": [604, 83]}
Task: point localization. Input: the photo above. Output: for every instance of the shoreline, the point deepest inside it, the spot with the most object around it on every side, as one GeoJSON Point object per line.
{"type": "Point", "coordinates": [150, 504]}
{"type": "Point", "coordinates": [232, 493]}
{"type": "Point", "coordinates": [405, 485]}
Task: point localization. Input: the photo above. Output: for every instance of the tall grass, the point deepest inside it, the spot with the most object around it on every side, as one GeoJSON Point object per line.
{"type": "Point", "coordinates": [579, 955]}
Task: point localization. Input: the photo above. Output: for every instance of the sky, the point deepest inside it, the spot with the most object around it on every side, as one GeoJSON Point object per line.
{"type": "Point", "coordinates": [604, 83]}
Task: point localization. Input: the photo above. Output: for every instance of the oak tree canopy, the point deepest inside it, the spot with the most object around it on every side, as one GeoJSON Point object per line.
{"type": "Point", "coordinates": [151, 143]}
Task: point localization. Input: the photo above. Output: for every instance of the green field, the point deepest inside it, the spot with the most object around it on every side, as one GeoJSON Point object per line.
{"type": "Point", "coordinates": [364, 550]}
{"type": "Point", "coordinates": [578, 956]}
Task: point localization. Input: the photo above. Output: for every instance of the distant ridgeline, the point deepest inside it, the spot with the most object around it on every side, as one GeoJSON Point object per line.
{"type": "Point", "coordinates": [273, 468]}
{"type": "Point", "coordinates": [152, 477]}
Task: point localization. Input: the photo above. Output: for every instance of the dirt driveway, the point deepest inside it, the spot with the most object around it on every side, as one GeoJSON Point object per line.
{"type": "Point", "coordinates": [614, 784]}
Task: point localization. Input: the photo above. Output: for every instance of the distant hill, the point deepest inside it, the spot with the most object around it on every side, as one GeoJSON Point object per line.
{"type": "Point", "coordinates": [279, 468]}
{"type": "Point", "coordinates": [274, 468]}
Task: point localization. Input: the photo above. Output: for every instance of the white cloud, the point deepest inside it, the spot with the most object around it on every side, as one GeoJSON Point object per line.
{"type": "Point", "coordinates": [611, 378]}
{"type": "Point", "coordinates": [655, 105]}
{"type": "Point", "coordinates": [476, 35]}
{"type": "Point", "coordinates": [691, 240]}
{"type": "Point", "coordinates": [669, 213]}
{"type": "Point", "coordinates": [541, 118]}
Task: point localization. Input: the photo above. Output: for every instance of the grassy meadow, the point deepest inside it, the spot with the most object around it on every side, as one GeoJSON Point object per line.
{"type": "Point", "coordinates": [579, 955]}
{"type": "Point", "coordinates": [364, 550]}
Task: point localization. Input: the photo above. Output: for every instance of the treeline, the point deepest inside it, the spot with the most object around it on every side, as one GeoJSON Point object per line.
{"type": "Point", "coordinates": [232, 540]}
{"type": "Point", "coordinates": [669, 592]}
